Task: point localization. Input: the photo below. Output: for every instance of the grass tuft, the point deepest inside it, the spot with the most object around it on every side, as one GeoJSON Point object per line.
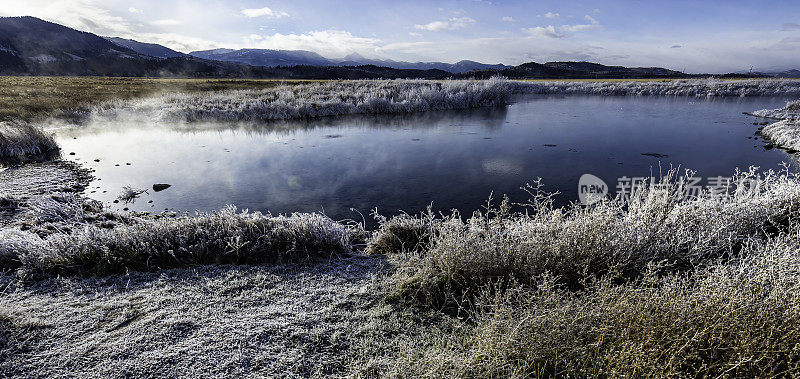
{"type": "Point", "coordinates": [21, 139]}
{"type": "Point", "coordinates": [220, 237]}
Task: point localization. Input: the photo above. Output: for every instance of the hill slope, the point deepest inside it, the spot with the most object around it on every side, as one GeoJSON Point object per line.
{"type": "Point", "coordinates": [30, 46]}
{"type": "Point", "coordinates": [151, 49]}
{"type": "Point", "coordinates": [272, 58]}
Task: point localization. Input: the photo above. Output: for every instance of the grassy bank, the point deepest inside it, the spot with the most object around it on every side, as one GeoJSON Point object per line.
{"type": "Point", "coordinates": [32, 97]}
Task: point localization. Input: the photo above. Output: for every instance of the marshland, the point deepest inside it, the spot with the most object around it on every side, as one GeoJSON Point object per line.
{"type": "Point", "coordinates": [398, 228]}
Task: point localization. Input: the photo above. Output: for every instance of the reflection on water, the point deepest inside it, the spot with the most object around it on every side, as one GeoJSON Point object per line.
{"type": "Point", "coordinates": [451, 159]}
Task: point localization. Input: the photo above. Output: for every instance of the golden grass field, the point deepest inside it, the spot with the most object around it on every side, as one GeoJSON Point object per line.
{"type": "Point", "coordinates": [31, 97]}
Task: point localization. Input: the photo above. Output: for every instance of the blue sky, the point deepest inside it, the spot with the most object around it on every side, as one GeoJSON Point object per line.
{"type": "Point", "coordinates": [696, 36]}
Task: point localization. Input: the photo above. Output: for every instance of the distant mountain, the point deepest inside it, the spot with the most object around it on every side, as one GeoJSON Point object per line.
{"type": "Point", "coordinates": [150, 49]}
{"type": "Point", "coordinates": [267, 58]}
{"type": "Point", "coordinates": [577, 70]}
{"type": "Point", "coordinates": [30, 46]}
{"type": "Point", "coordinates": [785, 74]}
{"type": "Point", "coordinates": [273, 58]}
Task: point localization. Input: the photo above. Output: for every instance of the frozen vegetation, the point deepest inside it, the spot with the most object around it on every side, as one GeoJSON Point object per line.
{"type": "Point", "coordinates": [786, 132]}
{"type": "Point", "coordinates": [401, 96]}
{"type": "Point", "coordinates": [689, 87]}
{"type": "Point", "coordinates": [313, 100]}
{"type": "Point", "coordinates": [21, 139]}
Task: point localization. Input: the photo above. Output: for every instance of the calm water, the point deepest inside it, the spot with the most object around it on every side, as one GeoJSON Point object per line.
{"type": "Point", "coordinates": [393, 163]}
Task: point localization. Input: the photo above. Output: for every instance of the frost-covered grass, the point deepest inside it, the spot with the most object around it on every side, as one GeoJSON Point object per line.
{"type": "Point", "coordinates": [786, 132]}
{"type": "Point", "coordinates": [333, 98]}
{"type": "Point", "coordinates": [727, 319]}
{"type": "Point", "coordinates": [707, 287]}
{"type": "Point", "coordinates": [148, 244]}
{"type": "Point", "coordinates": [314, 100]}
{"type": "Point", "coordinates": [21, 139]}
{"type": "Point", "coordinates": [459, 255]}
{"type": "Point", "coordinates": [790, 112]}
{"type": "Point", "coordinates": [689, 87]}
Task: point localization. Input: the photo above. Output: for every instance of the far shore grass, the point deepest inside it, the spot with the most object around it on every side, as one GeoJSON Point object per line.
{"type": "Point", "coordinates": [28, 98]}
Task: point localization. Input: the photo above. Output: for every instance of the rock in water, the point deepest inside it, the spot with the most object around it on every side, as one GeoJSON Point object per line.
{"type": "Point", "coordinates": [160, 187]}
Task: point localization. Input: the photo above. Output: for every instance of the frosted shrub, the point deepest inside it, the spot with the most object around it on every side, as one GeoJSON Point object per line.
{"type": "Point", "coordinates": [19, 139]}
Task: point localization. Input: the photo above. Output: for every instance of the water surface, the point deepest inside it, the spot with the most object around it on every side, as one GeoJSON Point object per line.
{"type": "Point", "coordinates": [452, 159]}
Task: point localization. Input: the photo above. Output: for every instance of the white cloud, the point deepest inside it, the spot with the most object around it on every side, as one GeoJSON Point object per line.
{"type": "Point", "coordinates": [135, 10]}
{"type": "Point", "coordinates": [332, 43]}
{"type": "Point", "coordinates": [451, 24]}
{"type": "Point", "coordinates": [507, 19]}
{"type": "Point", "coordinates": [548, 32]}
{"type": "Point", "coordinates": [593, 24]}
{"type": "Point", "coordinates": [77, 14]}
{"type": "Point", "coordinates": [414, 34]}
{"type": "Point", "coordinates": [550, 15]}
{"type": "Point", "coordinates": [260, 12]}
{"type": "Point", "coordinates": [166, 22]}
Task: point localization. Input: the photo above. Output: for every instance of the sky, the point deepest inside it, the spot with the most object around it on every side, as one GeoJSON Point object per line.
{"type": "Point", "coordinates": [694, 36]}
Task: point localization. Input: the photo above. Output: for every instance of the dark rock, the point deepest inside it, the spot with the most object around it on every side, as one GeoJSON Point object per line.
{"type": "Point", "coordinates": [160, 187]}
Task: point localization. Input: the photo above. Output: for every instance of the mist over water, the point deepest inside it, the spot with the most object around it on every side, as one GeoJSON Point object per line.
{"type": "Point", "coordinates": [450, 159]}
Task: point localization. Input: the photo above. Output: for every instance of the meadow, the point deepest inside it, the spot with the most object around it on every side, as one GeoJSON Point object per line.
{"type": "Point", "coordinates": [655, 286]}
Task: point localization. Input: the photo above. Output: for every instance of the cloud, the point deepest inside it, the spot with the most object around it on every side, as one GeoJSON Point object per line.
{"type": "Point", "coordinates": [134, 10]}
{"type": "Point", "coordinates": [261, 12]}
{"type": "Point", "coordinates": [789, 26]}
{"type": "Point", "coordinates": [507, 19]}
{"type": "Point", "coordinates": [548, 32]}
{"type": "Point", "coordinates": [414, 34]}
{"type": "Point", "coordinates": [451, 24]}
{"type": "Point", "coordinates": [550, 15]}
{"type": "Point", "coordinates": [78, 14]}
{"type": "Point", "coordinates": [675, 47]}
{"type": "Point", "coordinates": [593, 24]}
{"type": "Point", "coordinates": [166, 22]}
{"type": "Point", "coordinates": [326, 42]}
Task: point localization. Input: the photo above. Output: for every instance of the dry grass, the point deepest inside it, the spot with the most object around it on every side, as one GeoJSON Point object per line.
{"type": "Point", "coordinates": [221, 237]}
{"type": "Point", "coordinates": [30, 98]}
{"type": "Point", "coordinates": [709, 287]}
{"type": "Point", "coordinates": [22, 139]}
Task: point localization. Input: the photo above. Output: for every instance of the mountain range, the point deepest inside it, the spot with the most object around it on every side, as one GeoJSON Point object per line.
{"type": "Point", "coordinates": [271, 58]}
{"type": "Point", "coordinates": [31, 46]}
